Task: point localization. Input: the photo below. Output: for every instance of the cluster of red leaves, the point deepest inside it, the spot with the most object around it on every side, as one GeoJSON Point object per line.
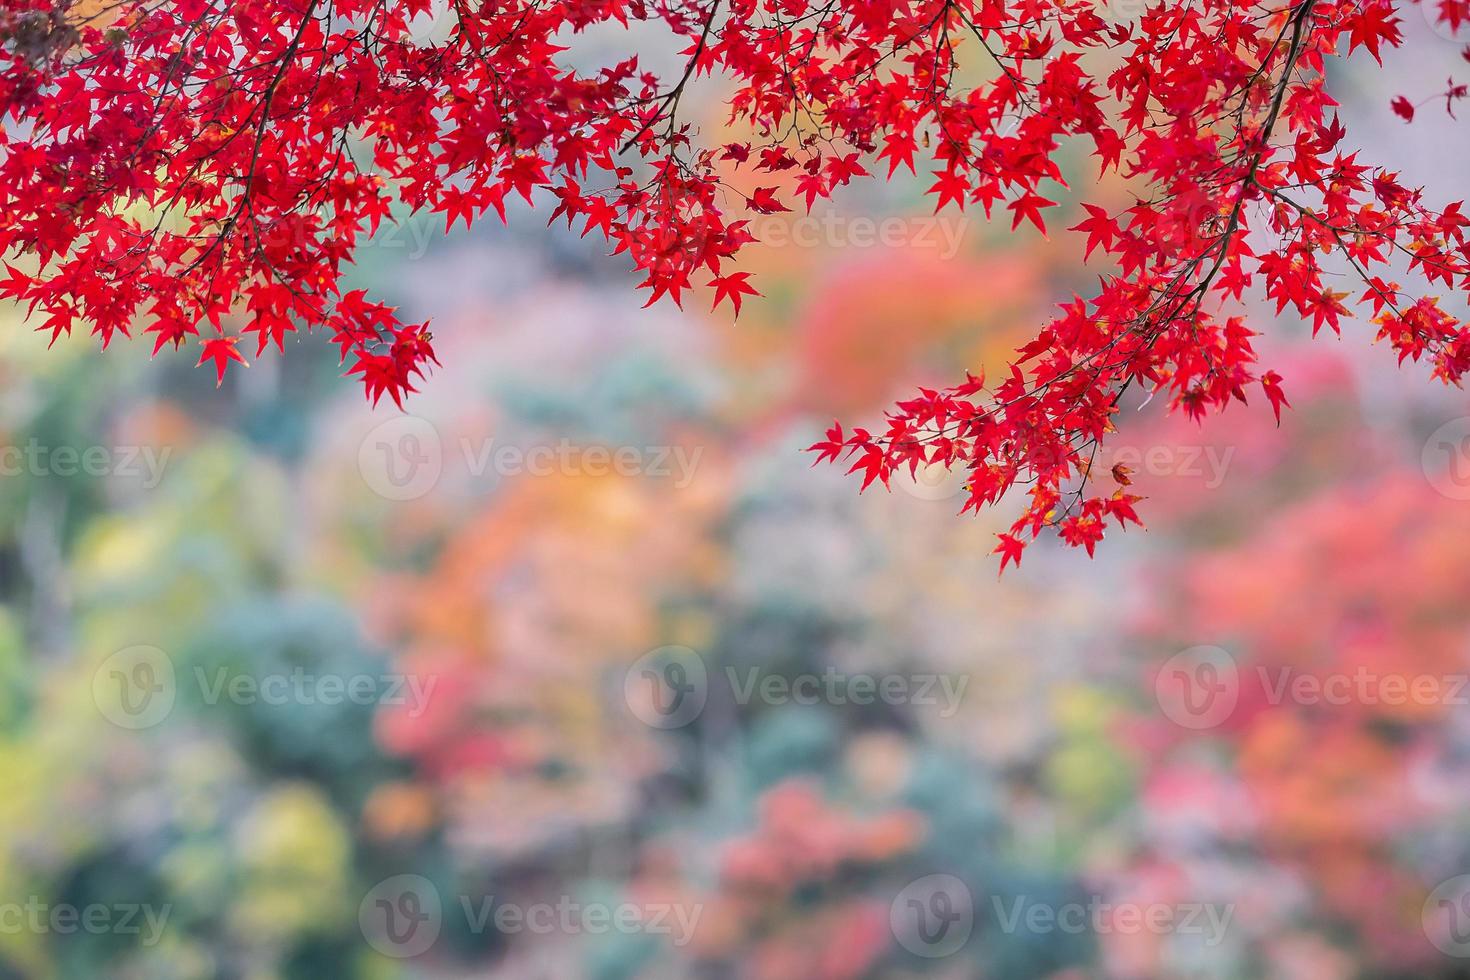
{"type": "Point", "coordinates": [1217, 111]}
{"type": "Point", "coordinates": [189, 164]}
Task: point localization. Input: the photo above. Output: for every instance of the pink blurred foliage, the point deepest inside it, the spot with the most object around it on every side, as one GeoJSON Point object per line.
{"type": "Point", "coordinates": [1360, 580]}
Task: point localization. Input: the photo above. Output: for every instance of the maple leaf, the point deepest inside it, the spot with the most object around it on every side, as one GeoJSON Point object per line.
{"type": "Point", "coordinates": [1028, 207]}
{"type": "Point", "coordinates": [874, 464]}
{"type": "Point", "coordinates": [1271, 384]}
{"type": "Point", "coordinates": [731, 287]}
{"type": "Point", "coordinates": [899, 149]}
{"type": "Point", "coordinates": [382, 374]}
{"type": "Point", "coordinates": [1120, 508]}
{"type": "Point", "coordinates": [1374, 23]}
{"type": "Point", "coordinates": [763, 201]}
{"type": "Point", "coordinates": [1100, 227]}
{"type": "Point", "coordinates": [221, 350]}
{"type": "Point", "coordinates": [950, 186]}
{"type": "Point", "coordinates": [842, 169]}
{"type": "Point", "coordinates": [811, 186]}
{"type": "Point", "coordinates": [1009, 549]}
{"type": "Point", "coordinates": [457, 204]}
{"type": "Point", "coordinates": [831, 448]}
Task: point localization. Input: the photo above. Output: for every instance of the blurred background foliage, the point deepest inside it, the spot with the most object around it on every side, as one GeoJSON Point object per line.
{"type": "Point", "coordinates": [261, 548]}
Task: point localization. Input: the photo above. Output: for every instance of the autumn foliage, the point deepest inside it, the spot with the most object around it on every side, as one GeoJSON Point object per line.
{"type": "Point", "coordinates": [201, 171]}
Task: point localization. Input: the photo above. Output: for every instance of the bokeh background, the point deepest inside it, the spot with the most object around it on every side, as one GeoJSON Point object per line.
{"type": "Point", "coordinates": [577, 668]}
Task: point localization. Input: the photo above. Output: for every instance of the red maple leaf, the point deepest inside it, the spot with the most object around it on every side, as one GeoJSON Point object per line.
{"type": "Point", "coordinates": [221, 350]}
{"type": "Point", "coordinates": [731, 287]}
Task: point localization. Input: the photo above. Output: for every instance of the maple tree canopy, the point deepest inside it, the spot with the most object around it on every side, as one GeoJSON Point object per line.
{"type": "Point", "coordinates": [202, 169]}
